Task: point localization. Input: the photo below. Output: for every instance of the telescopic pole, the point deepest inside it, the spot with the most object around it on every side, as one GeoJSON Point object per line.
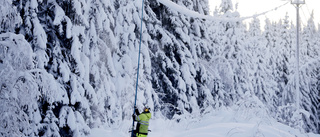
{"type": "Point", "coordinates": [135, 98]}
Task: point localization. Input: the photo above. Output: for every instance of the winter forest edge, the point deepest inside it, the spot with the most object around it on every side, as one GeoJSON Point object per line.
{"type": "Point", "coordinates": [67, 66]}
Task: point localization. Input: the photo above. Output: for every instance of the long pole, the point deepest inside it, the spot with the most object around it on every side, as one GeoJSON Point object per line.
{"type": "Point", "coordinates": [135, 98]}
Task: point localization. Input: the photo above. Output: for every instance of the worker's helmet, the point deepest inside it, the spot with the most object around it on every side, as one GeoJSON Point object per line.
{"type": "Point", "coordinates": [146, 109]}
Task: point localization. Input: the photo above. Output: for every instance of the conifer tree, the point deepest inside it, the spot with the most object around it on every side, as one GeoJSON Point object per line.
{"type": "Point", "coordinates": [309, 77]}
{"type": "Point", "coordinates": [261, 77]}
{"type": "Point", "coordinates": [20, 115]}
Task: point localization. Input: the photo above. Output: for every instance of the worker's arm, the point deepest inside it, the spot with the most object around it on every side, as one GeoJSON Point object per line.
{"type": "Point", "coordinates": [136, 111]}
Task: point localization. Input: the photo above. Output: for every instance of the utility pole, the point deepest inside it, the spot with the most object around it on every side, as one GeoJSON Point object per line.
{"type": "Point", "coordinates": [297, 4]}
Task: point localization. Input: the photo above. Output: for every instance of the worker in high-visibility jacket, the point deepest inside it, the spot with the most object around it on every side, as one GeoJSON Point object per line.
{"type": "Point", "coordinates": [143, 122]}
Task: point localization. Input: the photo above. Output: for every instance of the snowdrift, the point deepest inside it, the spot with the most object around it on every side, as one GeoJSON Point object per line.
{"type": "Point", "coordinates": [225, 123]}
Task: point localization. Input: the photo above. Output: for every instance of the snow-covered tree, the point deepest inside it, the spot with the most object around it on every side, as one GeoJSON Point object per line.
{"type": "Point", "coordinates": [175, 69]}
{"type": "Point", "coordinates": [284, 66]}
{"type": "Point", "coordinates": [9, 18]}
{"type": "Point", "coordinates": [309, 49]}
{"type": "Point", "coordinates": [309, 77]}
{"type": "Point", "coordinates": [226, 6]}
{"type": "Point", "coordinates": [262, 81]}
{"type": "Point", "coordinates": [309, 80]}
{"type": "Point", "coordinates": [20, 115]}
{"type": "Point", "coordinates": [234, 51]}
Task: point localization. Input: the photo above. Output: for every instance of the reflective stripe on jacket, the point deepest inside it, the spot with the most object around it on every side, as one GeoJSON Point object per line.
{"type": "Point", "coordinates": [143, 120]}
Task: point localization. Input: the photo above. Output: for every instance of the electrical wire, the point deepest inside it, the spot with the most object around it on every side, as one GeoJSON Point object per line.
{"type": "Point", "coordinates": [304, 15]}
{"type": "Point", "coordinates": [191, 13]}
{"type": "Point", "coordinates": [308, 8]}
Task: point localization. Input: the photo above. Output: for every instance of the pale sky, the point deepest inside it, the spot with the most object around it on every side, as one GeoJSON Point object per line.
{"type": "Point", "coordinates": [251, 7]}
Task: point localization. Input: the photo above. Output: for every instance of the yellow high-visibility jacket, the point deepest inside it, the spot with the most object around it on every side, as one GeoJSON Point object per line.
{"type": "Point", "coordinates": [143, 120]}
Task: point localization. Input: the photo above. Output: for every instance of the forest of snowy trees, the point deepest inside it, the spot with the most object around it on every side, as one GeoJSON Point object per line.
{"type": "Point", "coordinates": [67, 66]}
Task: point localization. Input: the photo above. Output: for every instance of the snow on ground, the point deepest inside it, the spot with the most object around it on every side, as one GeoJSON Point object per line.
{"type": "Point", "coordinates": [225, 123]}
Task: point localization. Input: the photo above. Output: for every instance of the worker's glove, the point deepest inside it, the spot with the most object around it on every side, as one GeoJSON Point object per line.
{"type": "Point", "coordinates": [134, 117]}
{"type": "Point", "coordinates": [136, 111]}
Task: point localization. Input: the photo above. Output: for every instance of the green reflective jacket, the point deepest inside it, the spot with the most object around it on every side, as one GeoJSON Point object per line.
{"type": "Point", "coordinates": [143, 120]}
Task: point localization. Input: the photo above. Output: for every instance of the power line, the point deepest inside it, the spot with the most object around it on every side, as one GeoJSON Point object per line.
{"type": "Point", "coordinates": [308, 9]}
{"type": "Point", "coordinates": [304, 15]}
{"type": "Point", "coordinates": [191, 13]}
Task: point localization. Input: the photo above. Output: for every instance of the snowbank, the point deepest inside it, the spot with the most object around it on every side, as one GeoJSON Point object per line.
{"type": "Point", "coordinates": [225, 123]}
